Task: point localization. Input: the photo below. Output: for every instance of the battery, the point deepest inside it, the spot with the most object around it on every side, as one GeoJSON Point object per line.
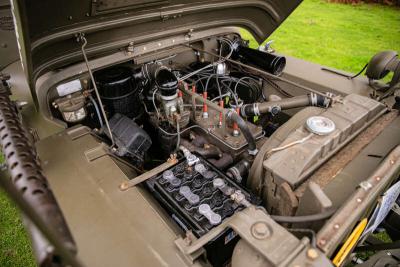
{"type": "Point", "coordinates": [192, 196]}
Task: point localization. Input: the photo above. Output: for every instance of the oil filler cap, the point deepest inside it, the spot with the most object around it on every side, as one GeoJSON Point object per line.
{"type": "Point", "coordinates": [320, 125]}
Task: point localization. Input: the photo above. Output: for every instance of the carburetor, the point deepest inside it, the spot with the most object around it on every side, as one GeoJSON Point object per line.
{"type": "Point", "coordinates": [165, 88]}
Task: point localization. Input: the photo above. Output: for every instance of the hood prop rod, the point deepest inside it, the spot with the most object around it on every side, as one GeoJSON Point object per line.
{"type": "Point", "coordinates": [81, 38]}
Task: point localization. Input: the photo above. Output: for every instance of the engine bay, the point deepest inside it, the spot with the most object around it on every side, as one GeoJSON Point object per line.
{"type": "Point", "coordinates": [240, 139]}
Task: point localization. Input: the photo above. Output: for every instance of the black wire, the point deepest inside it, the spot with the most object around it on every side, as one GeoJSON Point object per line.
{"type": "Point", "coordinates": [359, 73]}
{"type": "Point", "coordinates": [379, 247]}
{"type": "Point", "coordinates": [219, 88]}
{"type": "Point", "coordinates": [269, 81]}
{"type": "Point", "coordinates": [304, 218]}
{"type": "Point", "coordinates": [277, 87]}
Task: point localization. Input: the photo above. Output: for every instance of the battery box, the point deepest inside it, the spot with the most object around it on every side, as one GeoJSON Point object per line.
{"type": "Point", "coordinates": [192, 195]}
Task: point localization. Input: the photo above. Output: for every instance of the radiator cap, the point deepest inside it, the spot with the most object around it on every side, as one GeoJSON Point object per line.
{"type": "Point", "coordinates": [320, 125]}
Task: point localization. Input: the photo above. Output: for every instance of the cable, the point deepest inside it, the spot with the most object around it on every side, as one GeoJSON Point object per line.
{"type": "Point", "coordinates": [178, 134]}
{"type": "Point", "coordinates": [304, 218]}
{"type": "Point", "coordinates": [359, 73]}
{"type": "Point", "coordinates": [245, 77]}
{"type": "Point", "coordinates": [196, 71]}
{"type": "Point", "coordinates": [219, 97]}
{"type": "Point", "coordinates": [154, 103]}
{"type": "Point", "coordinates": [97, 110]}
{"type": "Point", "coordinates": [208, 80]}
{"type": "Point", "coordinates": [379, 247]}
{"type": "Point", "coordinates": [234, 97]}
{"type": "Point", "coordinates": [212, 64]}
{"type": "Point", "coordinates": [219, 87]}
{"type": "Point", "coordinates": [282, 79]}
{"type": "Point", "coordinates": [174, 134]}
{"type": "Point", "coordinates": [145, 109]}
{"type": "Point", "coordinates": [277, 87]}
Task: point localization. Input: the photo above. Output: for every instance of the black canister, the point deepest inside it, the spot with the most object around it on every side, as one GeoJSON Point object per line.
{"type": "Point", "coordinates": [269, 62]}
{"type": "Point", "coordinates": [119, 92]}
{"type": "Point", "coordinates": [166, 82]}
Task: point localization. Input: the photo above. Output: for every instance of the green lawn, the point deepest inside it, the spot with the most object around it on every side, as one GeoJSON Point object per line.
{"type": "Point", "coordinates": [15, 247]}
{"type": "Point", "coordinates": [335, 35]}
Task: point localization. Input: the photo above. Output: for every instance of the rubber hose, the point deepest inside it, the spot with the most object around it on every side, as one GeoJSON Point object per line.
{"type": "Point", "coordinates": [275, 107]}
{"type": "Point", "coordinates": [252, 148]}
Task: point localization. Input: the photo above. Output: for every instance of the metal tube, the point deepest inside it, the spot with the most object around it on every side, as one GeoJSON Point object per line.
{"type": "Point", "coordinates": [147, 175]}
{"type": "Point", "coordinates": [83, 39]}
{"type": "Point", "coordinates": [288, 103]}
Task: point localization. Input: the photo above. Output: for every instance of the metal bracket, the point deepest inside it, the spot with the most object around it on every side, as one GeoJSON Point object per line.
{"type": "Point", "coordinates": [96, 153]}
{"type": "Point", "coordinates": [147, 175]}
{"type": "Point", "coordinates": [254, 226]}
{"type": "Point", "coordinates": [77, 132]}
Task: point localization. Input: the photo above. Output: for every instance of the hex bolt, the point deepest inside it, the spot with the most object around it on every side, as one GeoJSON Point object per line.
{"type": "Point", "coordinates": [322, 242]}
{"type": "Point", "coordinates": [312, 254]}
{"type": "Point", "coordinates": [260, 230]}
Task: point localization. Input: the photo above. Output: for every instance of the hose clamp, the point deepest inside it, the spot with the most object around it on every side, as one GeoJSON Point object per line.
{"type": "Point", "coordinates": [243, 111]}
{"type": "Point", "coordinates": [256, 110]}
{"type": "Point", "coordinates": [328, 99]}
{"type": "Point", "coordinates": [253, 152]}
{"type": "Point", "coordinates": [235, 173]}
{"type": "Point", "coordinates": [314, 99]}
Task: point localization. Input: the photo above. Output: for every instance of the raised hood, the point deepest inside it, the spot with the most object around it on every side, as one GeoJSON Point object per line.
{"type": "Point", "coordinates": [47, 29]}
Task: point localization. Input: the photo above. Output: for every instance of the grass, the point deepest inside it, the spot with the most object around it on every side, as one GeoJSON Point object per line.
{"type": "Point", "coordinates": [335, 35]}
{"type": "Point", "coordinates": [15, 247]}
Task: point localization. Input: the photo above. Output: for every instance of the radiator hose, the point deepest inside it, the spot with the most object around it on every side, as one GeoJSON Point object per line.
{"type": "Point", "coordinates": [274, 107]}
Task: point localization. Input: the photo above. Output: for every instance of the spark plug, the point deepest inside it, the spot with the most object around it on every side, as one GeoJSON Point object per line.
{"type": "Point", "coordinates": [180, 101]}
{"type": "Point", "coordinates": [221, 104]}
{"type": "Point", "coordinates": [236, 131]}
{"type": "Point", "coordinates": [205, 107]}
{"type": "Point", "coordinates": [194, 103]}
